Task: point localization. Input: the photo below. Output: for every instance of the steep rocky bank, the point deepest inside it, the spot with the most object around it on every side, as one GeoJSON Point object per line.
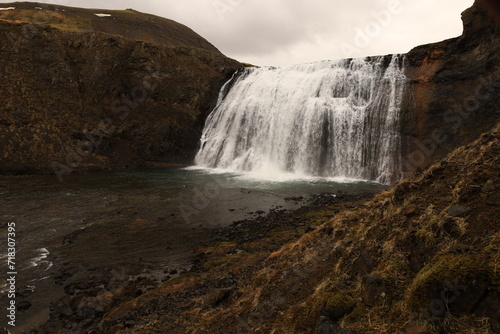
{"type": "Point", "coordinates": [84, 92]}
{"type": "Point", "coordinates": [455, 89]}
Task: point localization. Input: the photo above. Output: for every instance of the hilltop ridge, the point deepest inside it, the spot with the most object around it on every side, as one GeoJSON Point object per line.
{"type": "Point", "coordinates": [128, 23]}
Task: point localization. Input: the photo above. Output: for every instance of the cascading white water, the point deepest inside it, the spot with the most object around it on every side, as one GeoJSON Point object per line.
{"type": "Point", "coordinates": [330, 118]}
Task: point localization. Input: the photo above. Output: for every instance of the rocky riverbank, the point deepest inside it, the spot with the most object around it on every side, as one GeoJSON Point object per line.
{"type": "Point", "coordinates": [92, 294]}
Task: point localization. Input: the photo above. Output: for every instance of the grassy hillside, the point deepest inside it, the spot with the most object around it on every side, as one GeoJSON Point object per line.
{"type": "Point", "coordinates": [128, 23]}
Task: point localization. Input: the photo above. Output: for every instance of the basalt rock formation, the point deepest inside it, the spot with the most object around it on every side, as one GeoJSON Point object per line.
{"type": "Point", "coordinates": [81, 91]}
{"type": "Point", "coordinates": [454, 91]}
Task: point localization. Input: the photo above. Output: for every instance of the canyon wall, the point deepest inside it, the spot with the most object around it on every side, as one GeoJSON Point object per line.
{"type": "Point", "coordinates": [454, 95]}
{"type": "Point", "coordinates": [82, 92]}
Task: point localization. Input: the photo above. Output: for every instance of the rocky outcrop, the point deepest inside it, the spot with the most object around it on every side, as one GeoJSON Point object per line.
{"type": "Point", "coordinates": [78, 95]}
{"type": "Point", "coordinates": [455, 85]}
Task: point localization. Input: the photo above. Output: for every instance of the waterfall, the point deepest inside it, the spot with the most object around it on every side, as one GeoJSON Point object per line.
{"type": "Point", "coordinates": [328, 119]}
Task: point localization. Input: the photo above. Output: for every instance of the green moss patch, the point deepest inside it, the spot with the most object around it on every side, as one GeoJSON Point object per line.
{"type": "Point", "coordinates": [337, 306]}
{"type": "Point", "coordinates": [447, 273]}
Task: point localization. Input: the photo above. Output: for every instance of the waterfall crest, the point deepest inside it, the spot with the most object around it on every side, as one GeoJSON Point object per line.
{"type": "Point", "coordinates": [328, 119]}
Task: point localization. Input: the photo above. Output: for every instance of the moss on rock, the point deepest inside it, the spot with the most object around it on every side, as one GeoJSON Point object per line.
{"type": "Point", "coordinates": [337, 306]}
{"type": "Point", "coordinates": [447, 273]}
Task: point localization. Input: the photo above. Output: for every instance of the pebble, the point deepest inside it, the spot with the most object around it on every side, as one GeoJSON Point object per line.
{"type": "Point", "coordinates": [457, 211]}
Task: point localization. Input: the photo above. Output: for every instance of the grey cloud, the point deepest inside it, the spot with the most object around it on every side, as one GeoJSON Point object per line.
{"type": "Point", "coordinates": [289, 31]}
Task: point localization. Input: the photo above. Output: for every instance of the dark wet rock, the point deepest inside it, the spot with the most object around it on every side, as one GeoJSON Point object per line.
{"type": "Point", "coordinates": [25, 291]}
{"type": "Point", "coordinates": [457, 211]}
{"type": "Point", "coordinates": [23, 305]}
{"type": "Point", "coordinates": [295, 199]}
{"type": "Point", "coordinates": [411, 211]}
{"type": "Point", "coordinates": [374, 288]}
{"type": "Point", "coordinates": [70, 238]}
{"type": "Point", "coordinates": [325, 326]}
{"type": "Point", "coordinates": [364, 263]}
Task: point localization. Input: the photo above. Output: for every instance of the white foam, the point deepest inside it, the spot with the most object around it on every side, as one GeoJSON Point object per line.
{"type": "Point", "coordinates": [4, 287]}
{"type": "Point", "coordinates": [40, 279]}
{"type": "Point", "coordinates": [40, 260]}
{"type": "Point", "coordinates": [273, 175]}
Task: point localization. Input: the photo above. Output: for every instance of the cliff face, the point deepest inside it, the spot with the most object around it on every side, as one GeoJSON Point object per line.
{"type": "Point", "coordinates": [454, 90]}
{"type": "Point", "coordinates": [75, 97]}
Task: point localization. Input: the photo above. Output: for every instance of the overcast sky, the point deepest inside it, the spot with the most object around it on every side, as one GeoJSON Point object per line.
{"type": "Point", "coordinates": [282, 32]}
